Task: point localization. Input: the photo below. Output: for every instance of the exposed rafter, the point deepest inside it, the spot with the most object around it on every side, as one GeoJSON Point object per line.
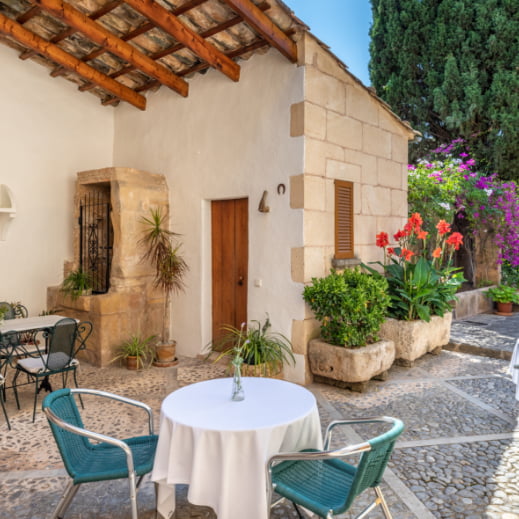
{"type": "Point", "coordinates": [98, 34]}
{"type": "Point", "coordinates": [68, 32]}
{"type": "Point", "coordinates": [265, 26]}
{"type": "Point", "coordinates": [53, 52]}
{"type": "Point", "coordinates": [168, 22]}
{"type": "Point", "coordinates": [177, 46]}
{"type": "Point", "coordinates": [118, 49]}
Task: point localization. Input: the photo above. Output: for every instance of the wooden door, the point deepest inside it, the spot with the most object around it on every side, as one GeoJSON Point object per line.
{"type": "Point", "coordinates": [230, 257]}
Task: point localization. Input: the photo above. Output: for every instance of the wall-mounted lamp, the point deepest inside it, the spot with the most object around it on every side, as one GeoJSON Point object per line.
{"type": "Point", "coordinates": [263, 207]}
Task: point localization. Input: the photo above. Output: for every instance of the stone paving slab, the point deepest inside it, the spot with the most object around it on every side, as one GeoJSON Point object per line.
{"type": "Point", "coordinates": [486, 334]}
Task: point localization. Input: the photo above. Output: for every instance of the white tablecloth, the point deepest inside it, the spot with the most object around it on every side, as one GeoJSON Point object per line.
{"type": "Point", "coordinates": [515, 371]}
{"type": "Point", "coordinates": [220, 447]}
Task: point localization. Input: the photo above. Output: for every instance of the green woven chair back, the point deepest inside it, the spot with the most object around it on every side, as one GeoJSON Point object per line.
{"type": "Point", "coordinates": [372, 463]}
{"type": "Point", "coordinates": [73, 447]}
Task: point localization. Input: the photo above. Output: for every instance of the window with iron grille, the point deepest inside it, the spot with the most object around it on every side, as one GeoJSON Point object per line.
{"type": "Point", "coordinates": [344, 244]}
{"type": "Point", "coordinates": [96, 238]}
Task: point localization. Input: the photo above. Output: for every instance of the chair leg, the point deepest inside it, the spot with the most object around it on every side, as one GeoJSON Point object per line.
{"type": "Point", "coordinates": [36, 391]}
{"type": "Point", "coordinates": [2, 398]}
{"type": "Point", "coordinates": [133, 494]}
{"type": "Point", "coordinates": [299, 514]}
{"type": "Point", "coordinates": [383, 503]}
{"type": "Point", "coordinates": [15, 389]}
{"type": "Point", "coordinates": [66, 499]}
{"type": "Point", "coordinates": [77, 386]}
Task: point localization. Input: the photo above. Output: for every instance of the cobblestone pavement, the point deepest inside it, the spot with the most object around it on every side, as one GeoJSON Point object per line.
{"type": "Point", "coordinates": [457, 458]}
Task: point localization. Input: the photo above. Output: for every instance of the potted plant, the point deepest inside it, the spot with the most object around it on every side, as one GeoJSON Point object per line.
{"type": "Point", "coordinates": [422, 285]}
{"type": "Point", "coordinates": [136, 351]}
{"type": "Point", "coordinates": [351, 307]}
{"type": "Point", "coordinates": [504, 296]}
{"type": "Point", "coordinates": [162, 251]}
{"type": "Point", "coordinates": [262, 351]}
{"type": "Point", "coordinates": [77, 283]}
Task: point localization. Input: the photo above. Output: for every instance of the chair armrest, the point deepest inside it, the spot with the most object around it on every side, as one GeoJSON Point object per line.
{"type": "Point", "coordinates": [318, 455]}
{"type": "Point", "coordinates": [119, 398]}
{"type": "Point", "coordinates": [93, 436]}
{"type": "Point", "coordinates": [353, 421]}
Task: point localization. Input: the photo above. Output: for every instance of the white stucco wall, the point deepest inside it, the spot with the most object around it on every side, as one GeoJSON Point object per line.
{"type": "Point", "coordinates": [226, 140]}
{"type": "Point", "coordinates": [48, 132]}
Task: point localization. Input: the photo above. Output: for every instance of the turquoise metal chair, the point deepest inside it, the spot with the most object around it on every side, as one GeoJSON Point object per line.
{"type": "Point", "coordinates": [106, 459]}
{"type": "Point", "coordinates": [323, 483]}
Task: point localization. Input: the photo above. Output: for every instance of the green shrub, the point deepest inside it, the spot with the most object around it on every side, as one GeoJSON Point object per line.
{"type": "Point", "coordinates": [509, 274]}
{"type": "Point", "coordinates": [350, 305]}
{"type": "Point", "coordinates": [503, 294]}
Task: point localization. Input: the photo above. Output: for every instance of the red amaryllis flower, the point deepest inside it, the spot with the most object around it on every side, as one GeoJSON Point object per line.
{"type": "Point", "coordinates": [382, 239]}
{"type": "Point", "coordinates": [455, 239]}
{"type": "Point", "coordinates": [390, 250]}
{"type": "Point", "coordinates": [437, 252]}
{"type": "Point", "coordinates": [406, 254]}
{"type": "Point", "coordinates": [422, 235]}
{"type": "Point", "coordinates": [443, 227]}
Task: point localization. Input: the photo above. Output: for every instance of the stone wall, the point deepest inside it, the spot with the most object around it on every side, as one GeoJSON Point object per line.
{"type": "Point", "coordinates": [349, 135]}
{"type": "Point", "coordinates": [131, 305]}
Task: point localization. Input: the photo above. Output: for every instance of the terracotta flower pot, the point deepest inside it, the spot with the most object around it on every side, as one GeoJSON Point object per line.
{"type": "Point", "coordinates": [504, 308]}
{"type": "Point", "coordinates": [131, 363]}
{"type": "Point", "coordinates": [165, 355]}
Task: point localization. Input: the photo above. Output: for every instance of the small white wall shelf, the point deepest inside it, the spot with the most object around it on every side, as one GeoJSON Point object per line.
{"type": "Point", "coordinates": [7, 210]}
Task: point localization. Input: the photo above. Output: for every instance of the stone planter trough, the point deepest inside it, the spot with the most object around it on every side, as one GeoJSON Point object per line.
{"type": "Point", "coordinates": [351, 368]}
{"type": "Point", "coordinates": [413, 339]}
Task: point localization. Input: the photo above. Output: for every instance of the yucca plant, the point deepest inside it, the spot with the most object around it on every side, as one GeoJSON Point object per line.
{"type": "Point", "coordinates": [162, 251]}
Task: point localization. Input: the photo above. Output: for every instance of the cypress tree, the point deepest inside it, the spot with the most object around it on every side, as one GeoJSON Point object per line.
{"type": "Point", "coordinates": [451, 68]}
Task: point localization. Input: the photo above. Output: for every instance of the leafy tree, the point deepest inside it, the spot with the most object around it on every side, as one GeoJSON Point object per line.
{"type": "Point", "coordinates": [451, 68]}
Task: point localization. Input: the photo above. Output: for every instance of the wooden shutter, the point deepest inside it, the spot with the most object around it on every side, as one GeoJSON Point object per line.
{"type": "Point", "coordinates": [344, 219]}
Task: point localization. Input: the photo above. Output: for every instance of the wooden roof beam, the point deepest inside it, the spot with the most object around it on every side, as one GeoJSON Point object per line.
{"type": "Point", "coordinates": [145, 27]}
{"type": "Point", "coordinates": [53, 52]}
{"type": "Point", "coordinates": [256, 44]}
{"type": "Point", "coordinates": [110, 6]}
{"type": "Point", "coordinates": [177, 46]}
{"type": "Point", "coordinates": [168, 22]}
{"type": "Point", "coordinates": [98, 34]}
{"type": "Point", "coordinates": [261, 23]}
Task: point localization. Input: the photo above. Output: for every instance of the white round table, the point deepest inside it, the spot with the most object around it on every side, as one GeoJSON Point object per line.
{"type": "Point", "coordinates": [220, 447]}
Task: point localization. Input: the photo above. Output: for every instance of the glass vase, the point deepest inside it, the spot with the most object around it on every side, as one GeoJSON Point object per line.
{"type": "Point", "coordinates": [237, 385]}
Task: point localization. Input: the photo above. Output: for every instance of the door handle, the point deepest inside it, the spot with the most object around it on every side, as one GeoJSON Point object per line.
{"type": "Point", "coordinates": [240, 280]}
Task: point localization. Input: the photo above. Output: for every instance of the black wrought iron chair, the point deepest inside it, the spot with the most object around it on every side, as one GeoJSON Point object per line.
{"type": "Point", "coordinates": [8, 310]}
{"type": "Point", "coordinates": [26, 340]}
{"type": "Point", "coordinates": [108, 458]}
{"type": "Point", "coordinates": [321, 482]}
{"type": "Point", "coordinates": [2, 398]}
{"type": "Point", "coordinates": [8, 343]}
{"type": "Point", "coordinates": [63, 342]}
